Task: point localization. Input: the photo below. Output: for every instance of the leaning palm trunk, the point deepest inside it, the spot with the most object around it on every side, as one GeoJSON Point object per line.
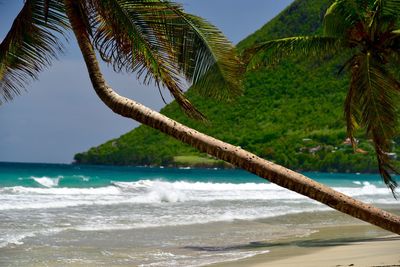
{"type": "Point", "coordinates": [235, 155]}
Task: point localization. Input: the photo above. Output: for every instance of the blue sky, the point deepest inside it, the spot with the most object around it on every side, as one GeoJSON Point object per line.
{"type": "Point", "coordinates": [60, 115]}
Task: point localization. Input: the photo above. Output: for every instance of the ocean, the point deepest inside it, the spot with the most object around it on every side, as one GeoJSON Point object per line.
{"type": "Point", "coordinates": [71, 215]}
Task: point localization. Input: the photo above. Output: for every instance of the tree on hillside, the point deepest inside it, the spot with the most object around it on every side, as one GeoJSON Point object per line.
{"type": "Point", "coordinates": [367, 32]}
{"type": "Point", "coordinates": [158, 40]}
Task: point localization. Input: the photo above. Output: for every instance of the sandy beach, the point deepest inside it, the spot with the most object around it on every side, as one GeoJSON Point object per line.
{"type": "Point", "coordinates": [356, 245]}
{"type": "Point", "coordinates": [375, 252]}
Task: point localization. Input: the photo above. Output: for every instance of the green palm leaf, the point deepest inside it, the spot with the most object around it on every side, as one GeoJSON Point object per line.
{"type": "Point", "coordinates": [30, 45]}
{"type": "Point", "coordinates": [273, 51]}
{"type": "Point", "coordinates": [343, 15]}
{"type": "Point", "coordinates": [206, 58]}
{"type": "Point", "coordinates": [125, 35]}
{"type": "Point", "coordinates": [338, 18]}
{"type": "Point", "coordinates": [385, 15]}
{"type": "Point", "coordinates": [161, 43]}
{"type": "Point", "coordinates": [390, 7]}
{"type": "Point", "coordinates": [351, 109]}
{"type": "Point", "coordinates": [374, 92]}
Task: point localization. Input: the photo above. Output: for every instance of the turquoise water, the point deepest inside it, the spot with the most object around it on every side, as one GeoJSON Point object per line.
{"type": "Point", "coordinates": [24, 174]}
{"type": "Point", "coordinates": [68, 215]}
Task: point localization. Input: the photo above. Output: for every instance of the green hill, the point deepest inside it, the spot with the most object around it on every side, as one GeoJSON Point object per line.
{"type": "Point", "coordinates": [291, 114]}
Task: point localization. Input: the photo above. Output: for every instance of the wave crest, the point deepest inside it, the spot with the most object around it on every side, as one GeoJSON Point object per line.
{"type": "Point", "coordinates": [47, 181]}
{"type": "Point", "coordinates": [158, 191]}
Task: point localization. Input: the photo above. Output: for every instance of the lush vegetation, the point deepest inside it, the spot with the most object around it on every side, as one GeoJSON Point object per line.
{"type": "Point", "coordinates": [366, 31]}
{"type": "Point", "coordinates": [291, 113]}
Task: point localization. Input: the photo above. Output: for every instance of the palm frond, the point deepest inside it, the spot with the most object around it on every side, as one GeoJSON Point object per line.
{"type": "Point", "coordinates": [351, 110]}
{"type": "Point", "coordinates": [205, 57]}
{"type": "Point", "coordinates": [30, 45]}
{"type": "Point", "coordinates": [385, 17]}
{"type": "Point", "coordinates": [390, 7]}
{"type": "Point", "coordinates": [337, 19]}
{"type": "Point", "coordinates": [394, 48]}
{"type": "Point", "coordinates": [373, 92]}
{"type": "Point", "coordinates": [125, 36]}
{"type": "Point", "coordinates": [272, 51]}
{"type": "Point", "coordinates": [343, 15]}
{"type": "Point", "coordinates": [161, 43]}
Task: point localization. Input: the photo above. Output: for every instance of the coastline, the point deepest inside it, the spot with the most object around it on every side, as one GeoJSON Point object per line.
{"type": "Point", "coordinates": [358, 245]}
{"type": "Point", "coordinates": [65, 215]}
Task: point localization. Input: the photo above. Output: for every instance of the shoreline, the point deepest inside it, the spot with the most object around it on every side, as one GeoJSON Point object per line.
{"type": "Point", "coordinates": [85, 216]}
{"type": "Point", "coordinates": [206, 166]}
{"type": "Point", "coordinates": [358, 245]}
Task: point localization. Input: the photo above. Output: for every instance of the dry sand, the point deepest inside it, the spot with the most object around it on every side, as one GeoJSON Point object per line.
{"type": "Point", "coordinates": [378, 252]}
{"type": "Point", "coordinates": [358, 246]}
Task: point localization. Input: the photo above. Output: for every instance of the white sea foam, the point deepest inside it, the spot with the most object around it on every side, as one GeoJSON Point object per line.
{"type": "Point", "coordinates": [203, 260]}
{"type": "Point", "coordinates": [15, 239]}
{"type": "Point", "coordinates": [54, 204]}
{"type": "Point", "coordinates": [367, 189]}
{"type": "Point", "coordinates": [198, 186]}
{"type": "Point", "coordinates": [235, 256]}
{"type": "Point", "coordinates": [219, 188]}
{"type": "Point", "coordinates": [47, 181]}
{"type": "Point", "coordinates": [157, 191]}
{"type": "Point", "coordinates": [160, 191]}
{"type": "Point", "coordinates": [19, 198]}
{"type": "Point", "coordinates": [108, 190]}
{"type": "Point", "coordinates": [190, 216]}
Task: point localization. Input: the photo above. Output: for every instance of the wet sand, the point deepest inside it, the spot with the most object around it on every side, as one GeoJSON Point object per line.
{"type": "Point", "coordinates": [355, 245]}
{"type": "Point", "coordinates": [304, 239]}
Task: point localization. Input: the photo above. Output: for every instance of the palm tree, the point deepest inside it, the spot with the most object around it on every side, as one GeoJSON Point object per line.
{"type": "Point", "coordinates": [368, 33]}
{"type": "Point", "coordinates": [159, 40]}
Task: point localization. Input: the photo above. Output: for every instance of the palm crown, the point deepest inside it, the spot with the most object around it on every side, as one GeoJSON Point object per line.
{"type": "Point", "coordinates": [367, 31]}
{"type": "Point", "coordinates": [154, 38]}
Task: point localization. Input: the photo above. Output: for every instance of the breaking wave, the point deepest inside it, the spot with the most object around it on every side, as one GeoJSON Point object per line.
{"type": "Point", "coordinates": [158, 191]}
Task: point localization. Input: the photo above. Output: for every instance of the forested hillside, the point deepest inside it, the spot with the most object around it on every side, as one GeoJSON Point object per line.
{"type": "Point", "coordinates": [291, 113]}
